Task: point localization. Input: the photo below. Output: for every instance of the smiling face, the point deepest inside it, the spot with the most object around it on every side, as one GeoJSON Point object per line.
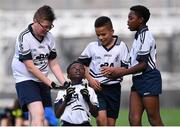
{"type": "Point", "coordinates": [105, 34]}
{"type": "Point", "coordinates": [76, 72]}
{"type": "Point", "coordinates": [134, 21]}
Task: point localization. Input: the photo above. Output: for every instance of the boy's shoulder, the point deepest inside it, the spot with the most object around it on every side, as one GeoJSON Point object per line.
{"type": "Point", "coordinates": [93, 43]}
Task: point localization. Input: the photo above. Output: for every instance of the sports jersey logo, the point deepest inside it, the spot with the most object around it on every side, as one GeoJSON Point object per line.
{"type": "Point", "coordinates": [41, 47]}
{"type": "Point", "coordinates": [41, 61]}
{"type": "Point", "coordinates": [42, 57]}
{"type": "Point", "coordinates": [74, 98]}
{"type": "Point", "coordinates": [117, 58]}
{"type": "Point", "coordinates": [107, 64]}
{"type": "Point", "coordinates": [107, 55]}
{"type": "Point", "coordinates": [97, 57]}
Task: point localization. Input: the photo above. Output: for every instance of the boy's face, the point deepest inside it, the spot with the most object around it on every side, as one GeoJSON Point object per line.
{"type": "Point", "coordinates": [134, 21]}
{"type": "Point", "coordinates": [76, 72]}
{"type": "Point", "coordinates": [42, 27]}
{"type": "Point", "coordinates": [105, 34]}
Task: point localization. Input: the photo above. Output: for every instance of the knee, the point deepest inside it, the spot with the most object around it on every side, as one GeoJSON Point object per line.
{"type": "Point", "coordinates": [155, 120]}
{"type": "Point", "coordinates": [134, 120]}
{"type": "Point", "coordinates": [101, 121]}
{"type": "Point", "coordinates": [37, 118]}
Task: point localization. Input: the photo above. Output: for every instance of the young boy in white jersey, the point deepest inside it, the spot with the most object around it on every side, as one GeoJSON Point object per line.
{"type": "Point", "coordinates": [109, 51]}
{"type": "Point", "coordinates": [77, 103]}
{"type": "Point", "coordinates": [35, 50]}
{"type": "Point", "coordinates": [147, 83]}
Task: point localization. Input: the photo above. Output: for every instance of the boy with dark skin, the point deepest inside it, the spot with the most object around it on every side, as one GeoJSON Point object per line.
{"type": "Point", "coordinates": [78, 101]}
{"type": "Point", "coordinates": [108, 50]}
{"type": "Point", "coordinates": [147, 82]}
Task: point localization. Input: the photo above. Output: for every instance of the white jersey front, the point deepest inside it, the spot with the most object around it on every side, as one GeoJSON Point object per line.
{"type": "Point", "coordinates": [143, 49]}
{"type": "Point", "coordinates": [77, 110]}
{"type": "Point", "coordinates": [96, 56]}
{"type": "Point", "coordinates": [28, 47]}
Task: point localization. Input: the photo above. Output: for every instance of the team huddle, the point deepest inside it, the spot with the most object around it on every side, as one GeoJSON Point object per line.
{"type": "Point", "coordinates": [103, 63]}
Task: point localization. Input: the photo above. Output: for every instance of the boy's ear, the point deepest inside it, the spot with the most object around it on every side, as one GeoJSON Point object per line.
{"type": "Point", "coordinates": [68, 76]}
{"type": "Point", "coordinates": [142, 20]}
{"type": "Point", "coordinates": [34, 20]}
{"type": "Point", "coordinates": [113, 31]}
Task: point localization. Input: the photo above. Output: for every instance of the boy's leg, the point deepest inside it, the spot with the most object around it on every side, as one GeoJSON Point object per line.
{"type": "Point", "coordinates": [111, 121]}
{"type": "Point", "coordinates": [113, 99]}
{"type": "Point", "coordinates": [151, 104]}
{"type": "Point", "coordinates": [101, 118]}
{"type": "Point", "coordinates": [36, 111]}
{"type": "Point", "coordinates": [136, 109]}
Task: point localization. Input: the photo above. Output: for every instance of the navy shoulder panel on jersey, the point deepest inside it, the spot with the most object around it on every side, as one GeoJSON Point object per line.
{"type": "Point", "coordinates": [52, 55]}
{"type": "Point", "coordinates": [85, 61]}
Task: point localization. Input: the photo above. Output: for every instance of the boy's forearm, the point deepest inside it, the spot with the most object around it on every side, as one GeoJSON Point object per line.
{"type": "Point", "coordinates": [93, 109]}
{"type": "Point", "coordinates": [59, 110]}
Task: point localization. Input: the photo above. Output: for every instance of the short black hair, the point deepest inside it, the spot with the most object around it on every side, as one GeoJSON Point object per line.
{"type": "Point", "coordinates": [74, 62]}
{"type": "Point", "coordinates": [142, 11]}
{"type": "Point", "coordinates": [45, 13]}
{"type": "Point", "coordinates": [103, 21]}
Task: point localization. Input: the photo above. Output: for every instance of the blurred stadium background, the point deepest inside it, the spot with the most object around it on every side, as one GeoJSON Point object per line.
{"type": "Point", "coordinates": [74, 30]}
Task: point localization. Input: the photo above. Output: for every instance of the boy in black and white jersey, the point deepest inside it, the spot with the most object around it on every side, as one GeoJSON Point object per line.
{"type": "Point", "coordinates": [108, 51]}
{"type": "Point", "coordinates": [147, 82]}
{"type": "Point", "coordinates": [77, 103]}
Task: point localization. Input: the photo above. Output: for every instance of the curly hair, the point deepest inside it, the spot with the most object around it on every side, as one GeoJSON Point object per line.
{"type": "Point", "coordinates": [141, 11]}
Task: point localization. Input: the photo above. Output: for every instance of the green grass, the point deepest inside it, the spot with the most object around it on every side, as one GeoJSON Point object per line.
{"type": "Point", "coordinates": [170, 117]}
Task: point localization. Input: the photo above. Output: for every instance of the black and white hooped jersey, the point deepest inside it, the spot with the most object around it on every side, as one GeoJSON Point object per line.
{"type": "Point", "coordinates": [96, 56]}
{"type": "Point", "coordinates": [28, 47]}
{"type": "Point", "coordinates": [143, 49]}
{"type": "Point", "coordinates": [77, 110]}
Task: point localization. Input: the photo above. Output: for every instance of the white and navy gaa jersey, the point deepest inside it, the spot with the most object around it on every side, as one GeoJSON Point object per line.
{"type": "Point", "coordinates": [28, 47]}
{"type": "Point", "coordinates": [77, 110]}
{"type": "Point", "coordinates": [96, 56]}
{"type": "Point", "coordinates": [143, 49]}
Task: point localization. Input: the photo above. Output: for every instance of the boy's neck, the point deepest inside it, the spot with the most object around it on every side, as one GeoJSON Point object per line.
{"type": "Point", "coordinates": [76, 82]}
{"type": "Point", "coordinates": [111, 44]}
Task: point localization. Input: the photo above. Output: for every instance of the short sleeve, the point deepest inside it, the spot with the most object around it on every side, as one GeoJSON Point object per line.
{"type": "Point", "coordinates": [52, 48]}
{"type": "Point", "coordinates": [125, 55]}
{"type": "Point", "coordinates": [144, 50]}
{"type": "Point", "coordinates": [24, 49]}
{"type": "Point", "coordinates": [86, 56]}
{"type": "Point", "coordinates": [60, 96]}
{"type": "Point", "coordinates": [93, 97]}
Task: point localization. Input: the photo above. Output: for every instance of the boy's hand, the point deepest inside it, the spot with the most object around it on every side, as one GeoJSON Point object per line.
{"type": "Point", "coordinates": [85, 94]}
{"type": "Point", "coordinates": [55, 86]}
{"type": "Point", "coordinates": [66, 84]}
{"type": "Point", "coordinates": [58, 87]}
{"type": "Point", "coordinates": [69, 92]}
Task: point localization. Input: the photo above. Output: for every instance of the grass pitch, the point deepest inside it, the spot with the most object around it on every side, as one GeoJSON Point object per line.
{"type": "Point", "coordinates": [170, 117]}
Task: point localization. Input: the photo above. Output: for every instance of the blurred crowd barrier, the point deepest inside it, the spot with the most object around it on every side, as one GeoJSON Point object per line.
{"type": "Point", "coordinates": [74, 29]}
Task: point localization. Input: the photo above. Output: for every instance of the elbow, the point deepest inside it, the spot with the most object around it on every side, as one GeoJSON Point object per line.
{"type": "Point", "coordinates": [57, 114]}
{"type": "Point", "coordinates": [94, 113]}
{"type": "Point", "coordinates": [30, 68]}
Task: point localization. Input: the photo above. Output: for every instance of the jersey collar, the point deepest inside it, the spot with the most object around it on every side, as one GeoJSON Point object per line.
{"type": "Point", "coordinates": [31, 30]}
{"type": "Point", "coordinates": [141, 30]}
{"type": "Point", "coordinates": [117, 41]}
